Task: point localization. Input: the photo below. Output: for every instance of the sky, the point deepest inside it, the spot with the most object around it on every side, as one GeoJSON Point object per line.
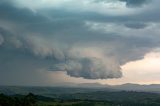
{"type": "Point", "coordinates": [49, 42]}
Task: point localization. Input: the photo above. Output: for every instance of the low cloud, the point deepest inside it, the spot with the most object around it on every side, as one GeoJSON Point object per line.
{"type": "Point", "coordinates": [92, 68]}
{"type": "Point", "coordinates": [89, 64]}
{"type": "Point", "coordinates": [77, 63]}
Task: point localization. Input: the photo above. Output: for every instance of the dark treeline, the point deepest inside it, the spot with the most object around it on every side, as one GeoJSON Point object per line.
{"type": "Point", "coordinates": [37, 100]}
{"type": "Point", "coordinates": [28, 100]}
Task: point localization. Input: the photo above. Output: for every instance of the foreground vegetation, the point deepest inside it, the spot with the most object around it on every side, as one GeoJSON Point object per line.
{"type": "Point", "coordinates": [32, 100]}
{"type": "Point", "coordinates": [83, 100]}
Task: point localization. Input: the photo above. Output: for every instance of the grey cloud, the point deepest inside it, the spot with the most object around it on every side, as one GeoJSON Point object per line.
{"type": "Point", "coordinates": [135, 25]}
{"type": "Point", "coordinates": [135, 3]}
{"type": "Point", "coordinates": [8, 38]}
{"type": "Point", "coordinates": [129, 3]}
{"type": "Point", "coordinates": [42, 48]}
{"type": "Point", "coordinates": [92, 68]}
{"type": "Point", "coordinates": [43, 40]}
{"type": "Point", "coordinates": [1, 39]}
{"type": "Point", "coordinates": [33, 44]}
{"type": "Point", "coordinates": [38, 49]}
{"type": "Point", "coordinates": [53, 20]}
{"type": "Point", "coordinates": [89, 68]}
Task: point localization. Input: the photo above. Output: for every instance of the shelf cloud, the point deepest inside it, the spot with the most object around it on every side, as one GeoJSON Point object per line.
{"type": "Point", "coordinates": [89, 39]}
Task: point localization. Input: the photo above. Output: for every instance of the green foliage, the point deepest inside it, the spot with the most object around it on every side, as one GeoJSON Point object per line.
{"type": "Point", "coordinates": [28, 100]}
{"type": "Point", "coordinates": [84, 99]}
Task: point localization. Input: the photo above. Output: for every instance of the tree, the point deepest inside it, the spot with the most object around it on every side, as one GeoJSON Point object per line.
{"type": "Point", "coordinates": [29, 100]}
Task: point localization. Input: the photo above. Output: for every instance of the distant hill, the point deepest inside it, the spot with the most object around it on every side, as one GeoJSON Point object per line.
{"type": "Point", "coordinates": [124, 87]}
{"type": "Point", "coordinates": [46, 91]}
{"type": "Point", "coordinates": [136, 87]}
{"type": "Point", "coordinates": [78, 88]}
{"type": "Point", "coordinates": [126, 95]}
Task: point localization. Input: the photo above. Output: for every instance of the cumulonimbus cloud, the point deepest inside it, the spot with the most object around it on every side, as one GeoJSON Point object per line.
{"type": "Point", "coordinates": [83, 63]}
{"type": "Point", "coordinates": [75, 63]}
{"type": "Point", "coordinates": [51, 39]}
{"type": "Point", "coordinates": [92, 68]}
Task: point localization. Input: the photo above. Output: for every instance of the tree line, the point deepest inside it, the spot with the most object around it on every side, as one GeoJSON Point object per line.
{"type": "Point", "coordinates": [28, 100]}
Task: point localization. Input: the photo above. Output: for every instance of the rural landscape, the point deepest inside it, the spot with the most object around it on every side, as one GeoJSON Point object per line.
{"type": "Point", "coordinates": [80, 96]}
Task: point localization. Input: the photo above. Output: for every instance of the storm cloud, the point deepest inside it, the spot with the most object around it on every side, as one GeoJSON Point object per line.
{"type": "Point", "coordinates": [92, 68]}
{"type": "Point", "coordinates": [135, 3]}
{"type": "Point", "coordinates": [91, 41]}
